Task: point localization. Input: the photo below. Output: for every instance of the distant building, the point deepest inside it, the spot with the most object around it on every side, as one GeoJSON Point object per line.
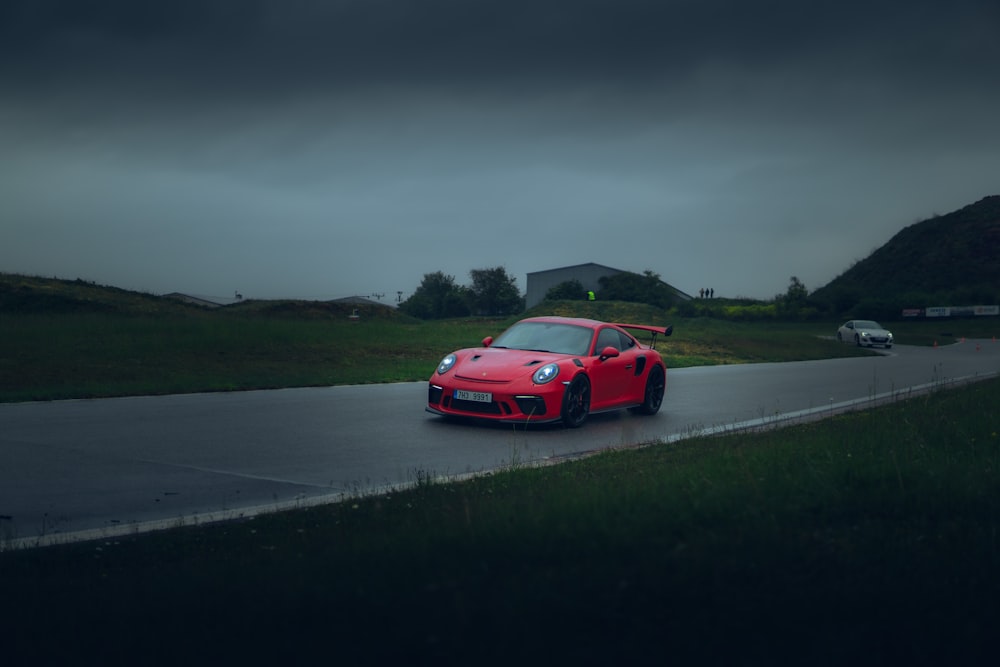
{"type": "Point", "coordinates": [589, 275]}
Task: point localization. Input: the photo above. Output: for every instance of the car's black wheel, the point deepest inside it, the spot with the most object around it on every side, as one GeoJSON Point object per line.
{"type": "Point", "coordinates": [656, 385]}
{"type": "Point", "coordinates": [576, 402]}
{"type": "Point", "coordinates": [839, 337]}
{"type": "Point", "coordinates": [857, 340]}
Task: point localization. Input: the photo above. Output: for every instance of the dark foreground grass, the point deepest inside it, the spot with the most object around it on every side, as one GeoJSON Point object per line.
{"type": "Point", "coordinates": [870, 538]}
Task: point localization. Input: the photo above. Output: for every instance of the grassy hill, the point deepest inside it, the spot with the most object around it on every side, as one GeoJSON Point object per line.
{"type": "Point", "coordinates": [29, 294]}
{"type": "Point", "coordinates": [947, 260]}
{"type": "Point", "coordinates": [20, 294]}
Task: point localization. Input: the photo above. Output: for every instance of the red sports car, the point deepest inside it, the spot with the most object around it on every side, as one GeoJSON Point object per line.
{"type": "Point", "coordinates": [547, 369]}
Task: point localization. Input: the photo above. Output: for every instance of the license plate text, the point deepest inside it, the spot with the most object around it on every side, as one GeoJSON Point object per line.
{"type": "Point", "coordinates": [477, 396]}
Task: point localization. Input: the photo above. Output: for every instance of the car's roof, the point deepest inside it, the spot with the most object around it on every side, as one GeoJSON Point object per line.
{"type": "Point", "coordinates": [557, 319]}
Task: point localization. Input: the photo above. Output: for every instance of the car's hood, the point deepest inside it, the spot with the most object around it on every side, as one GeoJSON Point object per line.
{"type": "Point", "coordinates": [873, 332]}
{"type": "Point", "coordinates": [492, 364]}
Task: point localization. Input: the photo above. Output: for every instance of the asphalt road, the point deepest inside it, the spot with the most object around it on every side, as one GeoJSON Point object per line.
{"type": "Point", "coordinates": [87, 468]}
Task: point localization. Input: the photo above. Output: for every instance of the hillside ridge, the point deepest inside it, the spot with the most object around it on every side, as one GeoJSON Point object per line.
{"type": "Point", "coordinates": [947, 259]}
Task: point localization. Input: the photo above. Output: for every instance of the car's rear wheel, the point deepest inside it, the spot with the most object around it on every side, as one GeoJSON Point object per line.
{"type": "Point", "coordinates": [576, 402]}
{"type": "Point", "coordinates": [656, 385]}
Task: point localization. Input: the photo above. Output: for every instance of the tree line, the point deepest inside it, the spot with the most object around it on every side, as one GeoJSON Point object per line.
{"type": "Point", "coordinates": [492, 292]}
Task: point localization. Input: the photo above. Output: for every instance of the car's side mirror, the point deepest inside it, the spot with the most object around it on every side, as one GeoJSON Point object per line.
{"type": "Point", "coordinates": [609, 352]}
{"type": "Point", "coordinates": [487, 341]}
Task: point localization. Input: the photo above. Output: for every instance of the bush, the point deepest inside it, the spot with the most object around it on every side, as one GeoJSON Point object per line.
{"type": "Point", "coordinates": [570, 290]}
{"type": "Point", "coordinates": [647, 288]}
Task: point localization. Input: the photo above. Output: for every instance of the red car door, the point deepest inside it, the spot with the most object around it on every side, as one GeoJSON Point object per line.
{"type": "Point", "coordinates": [612, 378]}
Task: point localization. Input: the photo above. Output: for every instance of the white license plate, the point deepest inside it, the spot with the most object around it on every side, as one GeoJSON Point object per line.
{"type": "Point", "coordinates": [477, 396]}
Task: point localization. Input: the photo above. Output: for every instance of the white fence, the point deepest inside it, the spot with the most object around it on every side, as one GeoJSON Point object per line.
{"type": "Point", "coordinates": [951, 311]}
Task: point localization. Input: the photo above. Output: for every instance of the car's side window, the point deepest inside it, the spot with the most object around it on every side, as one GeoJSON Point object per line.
{"type": "Point", "coordinates": [613, 338]}
{"type": "Point", "coordinates": [607, 337]}
{"type": "Point", "coordinates": [627, 343]}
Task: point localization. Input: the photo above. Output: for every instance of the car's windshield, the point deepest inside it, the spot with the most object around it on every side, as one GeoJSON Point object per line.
{"type": "Point", "coordinates": [547, 337]}
{"type": "Point", "coordinates": [867, 324]}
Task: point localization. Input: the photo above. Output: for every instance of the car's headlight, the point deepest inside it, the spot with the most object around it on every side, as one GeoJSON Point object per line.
{"type": "Point", "coordinates": [446, 364]}
{"type": "Point", "coordinates": [545, 374]}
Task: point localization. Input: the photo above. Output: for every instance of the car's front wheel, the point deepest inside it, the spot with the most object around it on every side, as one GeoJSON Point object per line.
{"type": "Point", "coordinates": [576, 402]}
{"type": "Point", "coordinates": [857, 340]}
{"type": "Point", "coordinates": [656, 385]}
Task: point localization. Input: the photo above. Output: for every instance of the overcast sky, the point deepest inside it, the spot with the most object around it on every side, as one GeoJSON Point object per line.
{"type": "Point", "coordinates": [325, 148]}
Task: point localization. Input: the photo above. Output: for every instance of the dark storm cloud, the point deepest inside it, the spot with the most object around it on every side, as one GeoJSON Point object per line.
{"type": "Point", "coordinates": [590, 62]}
{"type": "Point", "coordinates": [256, 45]}
{"type": "Point", "coordinates": [596, 63]}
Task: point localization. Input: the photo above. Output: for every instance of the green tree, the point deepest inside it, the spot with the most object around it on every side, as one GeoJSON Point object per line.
{"type": "Point", "coordinates": [797, 292]}
{"type": "Point", "coordinates": [794, 303]}
{"type": "Point", "coordinates": [569, 290]}
{"type": "Point", "coordinates": [494, 292]}
{"type": "Point", "coordinates": [437, 297]}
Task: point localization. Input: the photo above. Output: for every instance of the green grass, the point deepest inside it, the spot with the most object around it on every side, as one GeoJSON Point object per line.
{"type": "Point", "coordinates": [72, 339]}
{"type": "Point", "coordinates": [86, 354]}
{"type": "Point", "coordinates": [73, 355]}
{"type": "Point", "coordinates": [869, 538]}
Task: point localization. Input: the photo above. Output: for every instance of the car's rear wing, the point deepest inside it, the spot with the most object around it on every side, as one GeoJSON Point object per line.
{"type": "Point", "coordinates": [656, 331]}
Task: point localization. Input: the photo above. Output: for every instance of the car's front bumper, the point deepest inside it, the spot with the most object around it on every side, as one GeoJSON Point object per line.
{"type": "Point", "coordinates": [505, 406]}
{"type": "Point", "coordinates": [876, 340]}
